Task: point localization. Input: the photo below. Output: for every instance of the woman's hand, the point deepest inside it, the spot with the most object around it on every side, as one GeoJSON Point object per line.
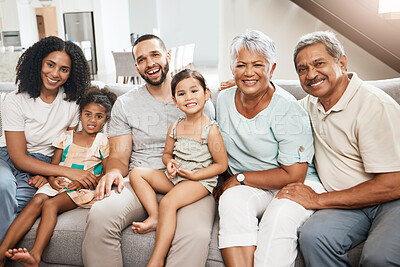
{"type": "Point", "coordinates": [172, 168]}
{"type": "Point", "coordinates": [230, 182]}
{"type": "Point", "coordinates": [75, 185]}
{"type": "Point", "coordinates": [85, 178]}
{"type": "Point", "coordinates": [37, 181]}
{"type": "Point", "coordinates": [57, 183]}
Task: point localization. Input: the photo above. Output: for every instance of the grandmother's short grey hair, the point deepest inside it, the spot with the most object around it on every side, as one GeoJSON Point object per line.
{"type": "Point", "coordinates": [327, 38]}
{"type": "Point", "coordinates": [254, 41]}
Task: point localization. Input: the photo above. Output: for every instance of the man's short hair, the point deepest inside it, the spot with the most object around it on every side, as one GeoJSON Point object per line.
{"type": "Point", "coordinates": [327, 38]}
{"type": "Point", "coordinates": [254, 41]}
{"type": "Point", "coordinates": [149, 37]}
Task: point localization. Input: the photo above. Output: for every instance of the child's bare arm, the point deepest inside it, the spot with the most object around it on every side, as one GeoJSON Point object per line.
{"type": "Point", "coordinates": [168, 156]}
{"type": "Point", "coordinates": [218, 153]}
{"type": "Point", "coordinates": [169, 148]}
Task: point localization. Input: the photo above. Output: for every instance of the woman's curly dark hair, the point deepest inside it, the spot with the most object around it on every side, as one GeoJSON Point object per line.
{"type": "Point", "coordinates": [30, 65]}
{"type": "Point", "coordinates": [103, 97]}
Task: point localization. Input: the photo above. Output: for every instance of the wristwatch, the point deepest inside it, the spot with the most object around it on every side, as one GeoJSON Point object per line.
{"type": "Point", "coordinates": [240, 178]}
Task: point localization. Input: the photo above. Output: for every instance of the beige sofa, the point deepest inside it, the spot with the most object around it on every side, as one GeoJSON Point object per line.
{"type": "Point", "coordinates": [65, 246]}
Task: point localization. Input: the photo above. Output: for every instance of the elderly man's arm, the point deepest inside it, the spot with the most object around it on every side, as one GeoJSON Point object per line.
{"type": "Point", "coordinates": [384, 187]}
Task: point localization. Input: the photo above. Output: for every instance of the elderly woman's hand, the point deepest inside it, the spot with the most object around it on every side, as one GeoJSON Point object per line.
{"type": "Point", "coordinates": [230, 182]}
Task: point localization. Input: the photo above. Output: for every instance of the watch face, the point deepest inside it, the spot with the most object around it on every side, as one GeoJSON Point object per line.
{"type": "Point", "coordinates": [240, 177]}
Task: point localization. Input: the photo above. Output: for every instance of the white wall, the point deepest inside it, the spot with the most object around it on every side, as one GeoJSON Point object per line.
{"type": "Point", "coordinates": [191, 21]}
{"type": "Point", "coordinates": [27, 17]}
{"type": "Point", "coordinates": [9, 15]}
{"type": "Point", "coordinates": [285, 23]}
{"type": "Point", "coordinates": [111, 30]}
{"type": "Point", "coordinates": [142, 16]}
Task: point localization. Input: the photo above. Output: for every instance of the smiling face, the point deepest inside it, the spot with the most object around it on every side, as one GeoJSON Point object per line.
{"type": "Point", "coordinates": [56, 68]}
{"type": "Point", "coordinates": [93, 117]}
{"type": "Point", "coordinates": [252, 72]}
{"type": "Point", "coordinates": [320, 74]}
{"type": "Point", "coordinates": [152, 62]}
{"type": "Point", "coordinates": [190, 96]}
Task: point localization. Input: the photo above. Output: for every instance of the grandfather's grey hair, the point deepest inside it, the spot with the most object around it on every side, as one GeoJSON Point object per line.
{"type": "Point", "coordinates": [255, 41]}
{"type": "Point", "coordinates": [327, 38]}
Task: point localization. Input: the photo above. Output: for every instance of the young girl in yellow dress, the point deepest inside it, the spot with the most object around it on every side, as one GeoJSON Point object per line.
{"type": "Point", "coordinates": [86, 149]}
{"type": "Point", "coordinates": [194, 155]}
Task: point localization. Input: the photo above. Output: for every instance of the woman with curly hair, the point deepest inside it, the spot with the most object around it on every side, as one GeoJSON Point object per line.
{"type": "Point", "coordinates": [51, 76]}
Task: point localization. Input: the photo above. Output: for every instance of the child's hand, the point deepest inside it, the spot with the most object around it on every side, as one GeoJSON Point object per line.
{"type": "Point", "coordinates": [37, 181]}
{"type": "Point", "coordinates": [172, 167]}
{"type": "Point", "coordinates": [74, 185]}
{"type": "Point", "coordinates": [56, 183]}
{"type": "Point", "coordinates": [187, 174]}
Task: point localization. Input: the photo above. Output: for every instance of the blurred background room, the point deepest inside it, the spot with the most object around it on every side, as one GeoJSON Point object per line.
{"type": "Point", "coordinates": [198, 33]}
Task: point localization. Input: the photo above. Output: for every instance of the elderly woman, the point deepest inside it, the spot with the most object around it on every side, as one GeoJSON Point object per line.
{"type": "Point", "coordinates": [269, 143]}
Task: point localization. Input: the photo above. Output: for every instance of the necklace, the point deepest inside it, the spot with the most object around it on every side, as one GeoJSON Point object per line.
{"type": "Point", "coordinates": [261, 98]}
{"type": "Point", "coordinates": [253, 110]}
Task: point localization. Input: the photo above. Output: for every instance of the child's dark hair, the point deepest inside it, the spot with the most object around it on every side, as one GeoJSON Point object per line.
{"type": "Point", "coordinates": [29, 68]}
{"type": "Point", "coordinates": [103, 97]}
{"type": "Point", "coordinates": [184, 74]}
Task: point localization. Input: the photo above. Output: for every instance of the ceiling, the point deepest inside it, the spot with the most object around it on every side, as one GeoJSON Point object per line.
{"type": "Point", "coordinates": [359, 21]}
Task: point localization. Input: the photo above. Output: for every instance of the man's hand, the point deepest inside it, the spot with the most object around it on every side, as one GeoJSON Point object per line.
{"type": "Point", "coordinates": [230, 182]}
{"type": "Point", "coordinates": [86, 178]}
{"type": "Point", "coordinates": [37, 181]}
{"type": "Point", "coordinates": [106, 182]}
{"type": "Point", "coordinates": [300, 193]}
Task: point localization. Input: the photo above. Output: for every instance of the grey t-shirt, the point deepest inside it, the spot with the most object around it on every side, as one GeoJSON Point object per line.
{"type": "Point", "coordinates": [148, 119]}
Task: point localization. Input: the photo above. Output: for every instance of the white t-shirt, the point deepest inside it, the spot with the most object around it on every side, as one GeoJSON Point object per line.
{"type": "Point", "coordinates": [41, 122]}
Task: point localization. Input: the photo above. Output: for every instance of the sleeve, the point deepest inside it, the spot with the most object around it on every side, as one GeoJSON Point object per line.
{"type": "Point", "coordinates": [75, 120]}
{"type": "Point", "coordinates": [209, 110]}
{"type": "Point", "coordinates": [292, 129]}
{"type": "Point", "coordinates": [378, 133]}
{"type": "Point", "coordinates": [60, 141]}
{"type": "Point", "coordinates": [118, 123]}
{"type": "Point", "coordinates": [104, 147]}
{"type": "Point", "coordinates": [13, 116]}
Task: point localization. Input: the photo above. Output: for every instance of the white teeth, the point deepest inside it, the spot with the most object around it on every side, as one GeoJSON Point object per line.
{"type": "Point", "coordinates": [153, 71]}
{"type": "Point", "coordinates": [191, 105]}
{"type": "Point", "coordinates": [316, 84]}
{"type": "Point", "coordinates": [91, 127]}
{"type": "Point", "coordinates": [50, 80]}
{"type": "Point", "coordinates": [249, 82]}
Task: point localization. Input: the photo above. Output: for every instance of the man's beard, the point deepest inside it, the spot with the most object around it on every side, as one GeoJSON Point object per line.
{"type": "Point", "coordinates": [164, 72]}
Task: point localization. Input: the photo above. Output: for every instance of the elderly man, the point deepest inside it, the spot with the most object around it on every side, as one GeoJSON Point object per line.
{"type": "Point", "coordinates": [357, 155]}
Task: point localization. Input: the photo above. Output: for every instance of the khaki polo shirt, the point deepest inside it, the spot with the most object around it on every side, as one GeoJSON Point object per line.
{"type": "Point", "coordinates": [357, 138]}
